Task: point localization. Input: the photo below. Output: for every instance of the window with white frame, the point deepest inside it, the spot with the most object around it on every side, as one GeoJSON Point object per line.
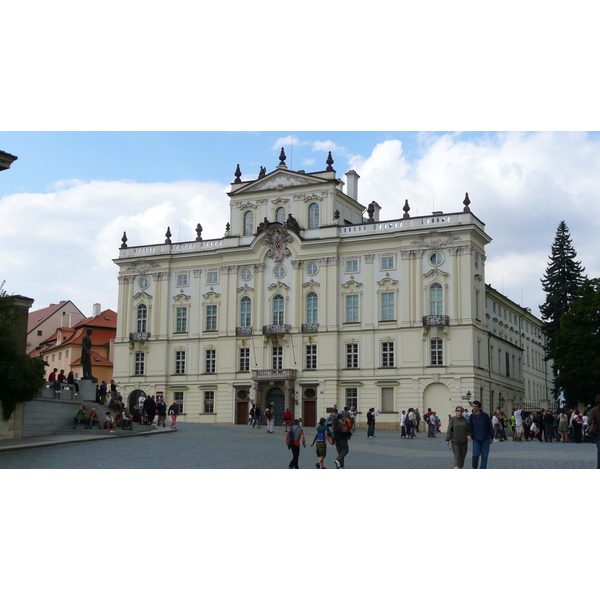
{"type": "Point", "coordinates": [210, 360]}
{"type": "Point", "coordinates": [351, 398]}
{"type": "Point", "coordinates": [437, 355]}
{"type": "Point", "coordinates": [278, 309]}
{"type": "Point", "coordinates": [244, 359]}
{"type": "Point", "coordinates": [181, 319]}
{"type": "Point", "coordinates": [212, 276]}
{"type": "Point", "coordinates": [277, 356]}
{"type": "Point", "coordinates": [182, 279]}
{"type": "Point", "coordinates": [139, 363]}
{"type": "Point", "coordinates": [387, 354]}
{"type": "Point", "coordinates": [436, 299]}
{"type": "Point", "coordinates": [312, 308]}
{"type": "Point", "coordinates": [248, 222]}
{"type": "Point", "coordinates": [387, 263]}
{"type": "Point", "coordinates": [211, 317]}
{"type": "Point", "coordinates": [352, 356]}
{"type": "Point", "coordinates": [142, 318]}
{"type": "Point", "coordinates": [387, 399]}
{"type": "Point", "coordinates": [351, 265]}
{"type": "Point", "coordinates": [388, 312]}
{"type": "Point", "coordinates": [245, 312]}
{"type": "Point", "coordinates": [311, 356]}
{"type": "Point", "coordinates": [352, 308]}
{"type": "Point", "coordinates": [313, 216]}
{"type": "Point", "coordinates": [209, 402]}
{"type": "Point", "coordinates": [280, 215]}
{"type": "Point", "coordinates": [179, 362]}
{"type": "Point", "coordinates": [178, 399]}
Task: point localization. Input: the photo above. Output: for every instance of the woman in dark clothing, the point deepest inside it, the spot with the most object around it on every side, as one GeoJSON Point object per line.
{"type": "Point", "coordinates": [577, 427]}
{"type": "Point", "coordinates": [150, 409]}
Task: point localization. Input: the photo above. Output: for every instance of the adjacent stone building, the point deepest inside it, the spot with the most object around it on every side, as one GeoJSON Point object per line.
{"type": "Point", "coordinates": [310, 300]}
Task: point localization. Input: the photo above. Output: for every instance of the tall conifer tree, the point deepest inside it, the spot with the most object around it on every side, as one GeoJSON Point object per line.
{"type": "Point", "coordinates": [562, 279]}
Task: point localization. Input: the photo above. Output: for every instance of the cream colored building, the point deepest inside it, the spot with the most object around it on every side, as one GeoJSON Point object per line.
{"type": "Point", "coordinates": [310, 300]}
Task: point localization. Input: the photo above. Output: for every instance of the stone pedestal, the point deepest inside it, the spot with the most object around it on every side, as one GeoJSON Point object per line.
{"type": "Point", "coordinates": [87, 390]}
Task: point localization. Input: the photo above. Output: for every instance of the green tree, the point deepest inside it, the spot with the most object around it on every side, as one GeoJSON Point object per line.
{"type": "Point", "coordinates": [561, 282]}
{"type": "Point", "coordinates": [22, 376]}
{"type": "Point", "coordinates": [577, 346]}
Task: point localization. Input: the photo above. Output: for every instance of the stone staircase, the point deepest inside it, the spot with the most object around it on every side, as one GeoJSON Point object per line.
{"type": "Point", "coordinates": [98, 429]}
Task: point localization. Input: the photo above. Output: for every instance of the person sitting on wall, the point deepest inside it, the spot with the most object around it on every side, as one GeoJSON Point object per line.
{"type": "Point", "coordinates": [79, 417]}
{"type": "Point", "coordinates": [54, 381]}
{"type": "Point", "coordinates": [92, 419]}
{"type": "Point", "coordinates": [71, 380]}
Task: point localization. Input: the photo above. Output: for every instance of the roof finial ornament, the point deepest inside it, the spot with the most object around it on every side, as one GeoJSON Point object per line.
{"type": "Point", "coordinates": [199, 233]}
{"type": "Point", "coordinates": [329, 162]}
{"type": "Point", "coordinates": [168, 236]}
{"type": "Point", "coordinates": [406, 209]}
{"type": "Point", "coordinates": [466, 202]}
{"type": "Point", "coordinates": [237, 174]}
{"type": "Point", "coordinates": [282, 158]}
{"type": "Point", "coordinates": [124, 240]}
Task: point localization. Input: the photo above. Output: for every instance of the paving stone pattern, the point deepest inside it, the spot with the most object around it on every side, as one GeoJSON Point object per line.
{"type": "Point", "coordinates": [201, 446]}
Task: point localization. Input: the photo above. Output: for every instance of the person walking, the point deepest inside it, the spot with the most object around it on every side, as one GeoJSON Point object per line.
{"type": "Point", "coordinates": [459, 433]}
{"type": "Point", "coordinates": [577, 423]}
{"type": "Point", "coordinates": [287, 419]}
{"type": "Point", "coordinates": [251, 415]}
{"type": "Point", "coordinates": [482, 432]}
{"type": "Point", "coordinates": [411, 424]}
{"type": "Point", "coordinates": [518, 414]}
{"type": "Point", "coordinates": [174, 412]}
{"type": "Point", "coordinates": [340, 437]}
{"type": "Point", "coordinates": [322, 436]}
{"type": "Point", "coordinates": [257, 415]}
{"type": "Point", "coordinates": [294, 437]}
{"type": "Point", "coordinates": [353, 414]}
{"type": "Point", "coordinates": [150, 409]}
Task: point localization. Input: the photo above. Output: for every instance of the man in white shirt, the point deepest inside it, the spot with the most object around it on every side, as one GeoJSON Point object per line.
{"type": "Point", "coordinates": [519, 423]}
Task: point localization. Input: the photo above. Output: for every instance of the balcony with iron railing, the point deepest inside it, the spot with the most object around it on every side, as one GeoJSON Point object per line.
{"type": "Point", "coordinates": [276, 329]}
{"type": "Point", "coordinates": [139, 336]}
{"type": "Point", "coordinates": [436, 320]}
{"type": "Point", "coordinates": [273, 374]}
{"type": "Point", "coordinates": [245, 331]}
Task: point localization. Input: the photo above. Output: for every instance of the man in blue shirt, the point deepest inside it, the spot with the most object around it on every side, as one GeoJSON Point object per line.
{"type": "Point", "coordinates": [482, 432]}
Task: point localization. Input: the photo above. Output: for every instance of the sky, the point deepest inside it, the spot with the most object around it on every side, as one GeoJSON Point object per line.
{"type": "Point", "coordinates": [70, 196]}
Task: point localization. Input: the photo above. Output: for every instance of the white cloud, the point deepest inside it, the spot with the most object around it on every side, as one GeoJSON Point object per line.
{"type": "Point", "coordinates": [61, 244]}
{"type": "Point", "coordinates": [328, 146]}
{"type": "Point", "coordinates": [287, 141]}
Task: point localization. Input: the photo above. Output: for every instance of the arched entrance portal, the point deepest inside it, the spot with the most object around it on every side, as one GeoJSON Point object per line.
{"type": "Point", "coordinates": [277, 396]}
{"type": "Point", "coordinates": [132, 400]}
{"type": "Point", "coordinates": [437, 397]}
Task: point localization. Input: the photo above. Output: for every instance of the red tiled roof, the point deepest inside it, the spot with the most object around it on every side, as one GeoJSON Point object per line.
{"type": "Point", "coordinates": [97, 361]}
{"type": "Point", "coordinates": [39, 316]}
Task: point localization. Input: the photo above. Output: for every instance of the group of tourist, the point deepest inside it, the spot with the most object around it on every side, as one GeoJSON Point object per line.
{"type": "Point", "coordinates": [149, 408]}
{"type": "Point", "coordinates": [479, 428]}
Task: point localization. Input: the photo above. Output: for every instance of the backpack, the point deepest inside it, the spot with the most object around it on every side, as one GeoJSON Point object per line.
{"type": "Point", "coordinates": [345, 426]}
{"type": "Point", "coordinates": [291, 437]}
{"type": "Point", "coordinates": [268, 413]}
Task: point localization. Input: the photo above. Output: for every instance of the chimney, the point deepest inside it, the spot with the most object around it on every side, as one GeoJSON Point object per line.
{"type": "Point", "coordinates": [352, 178]}
{"type": "Point", "coordinates": [96, 310]}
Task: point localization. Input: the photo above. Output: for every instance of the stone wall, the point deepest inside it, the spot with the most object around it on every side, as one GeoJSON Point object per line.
{"type": "Point", "coordinates": [46, 415]}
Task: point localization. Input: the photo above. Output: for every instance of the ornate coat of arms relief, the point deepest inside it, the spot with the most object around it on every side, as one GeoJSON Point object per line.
{"type": "Point", "coordinates": [277, 240]}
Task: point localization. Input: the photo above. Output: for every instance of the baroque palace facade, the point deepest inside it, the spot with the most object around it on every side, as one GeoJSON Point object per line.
{"type": "Point", "coordinates": [307, 303]}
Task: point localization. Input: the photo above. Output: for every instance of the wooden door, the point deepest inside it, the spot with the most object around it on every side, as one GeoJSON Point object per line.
{"type": "Point", "coordinates": [242, 409]}
{"type": "Point", "coordinates": [309, 413]}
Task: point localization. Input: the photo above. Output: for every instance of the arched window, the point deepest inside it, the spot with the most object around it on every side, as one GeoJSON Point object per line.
{"type": "Point", "coordinates": [280, 214]}
{"type": "Point", "coordinates": [142, 318]}
{"type": "Point", "coordinates": [248, 222]}
{"type": "Point", "coordinates": [313, 216]}
{"type": "Point", "coordinates": [312, 308]}
{"type": "Point", "coordinates": [278, 309]}
{"type": "Point", "coordinates": [436, 299]}
{"type": "Point", "coordinates": [245, 312]}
